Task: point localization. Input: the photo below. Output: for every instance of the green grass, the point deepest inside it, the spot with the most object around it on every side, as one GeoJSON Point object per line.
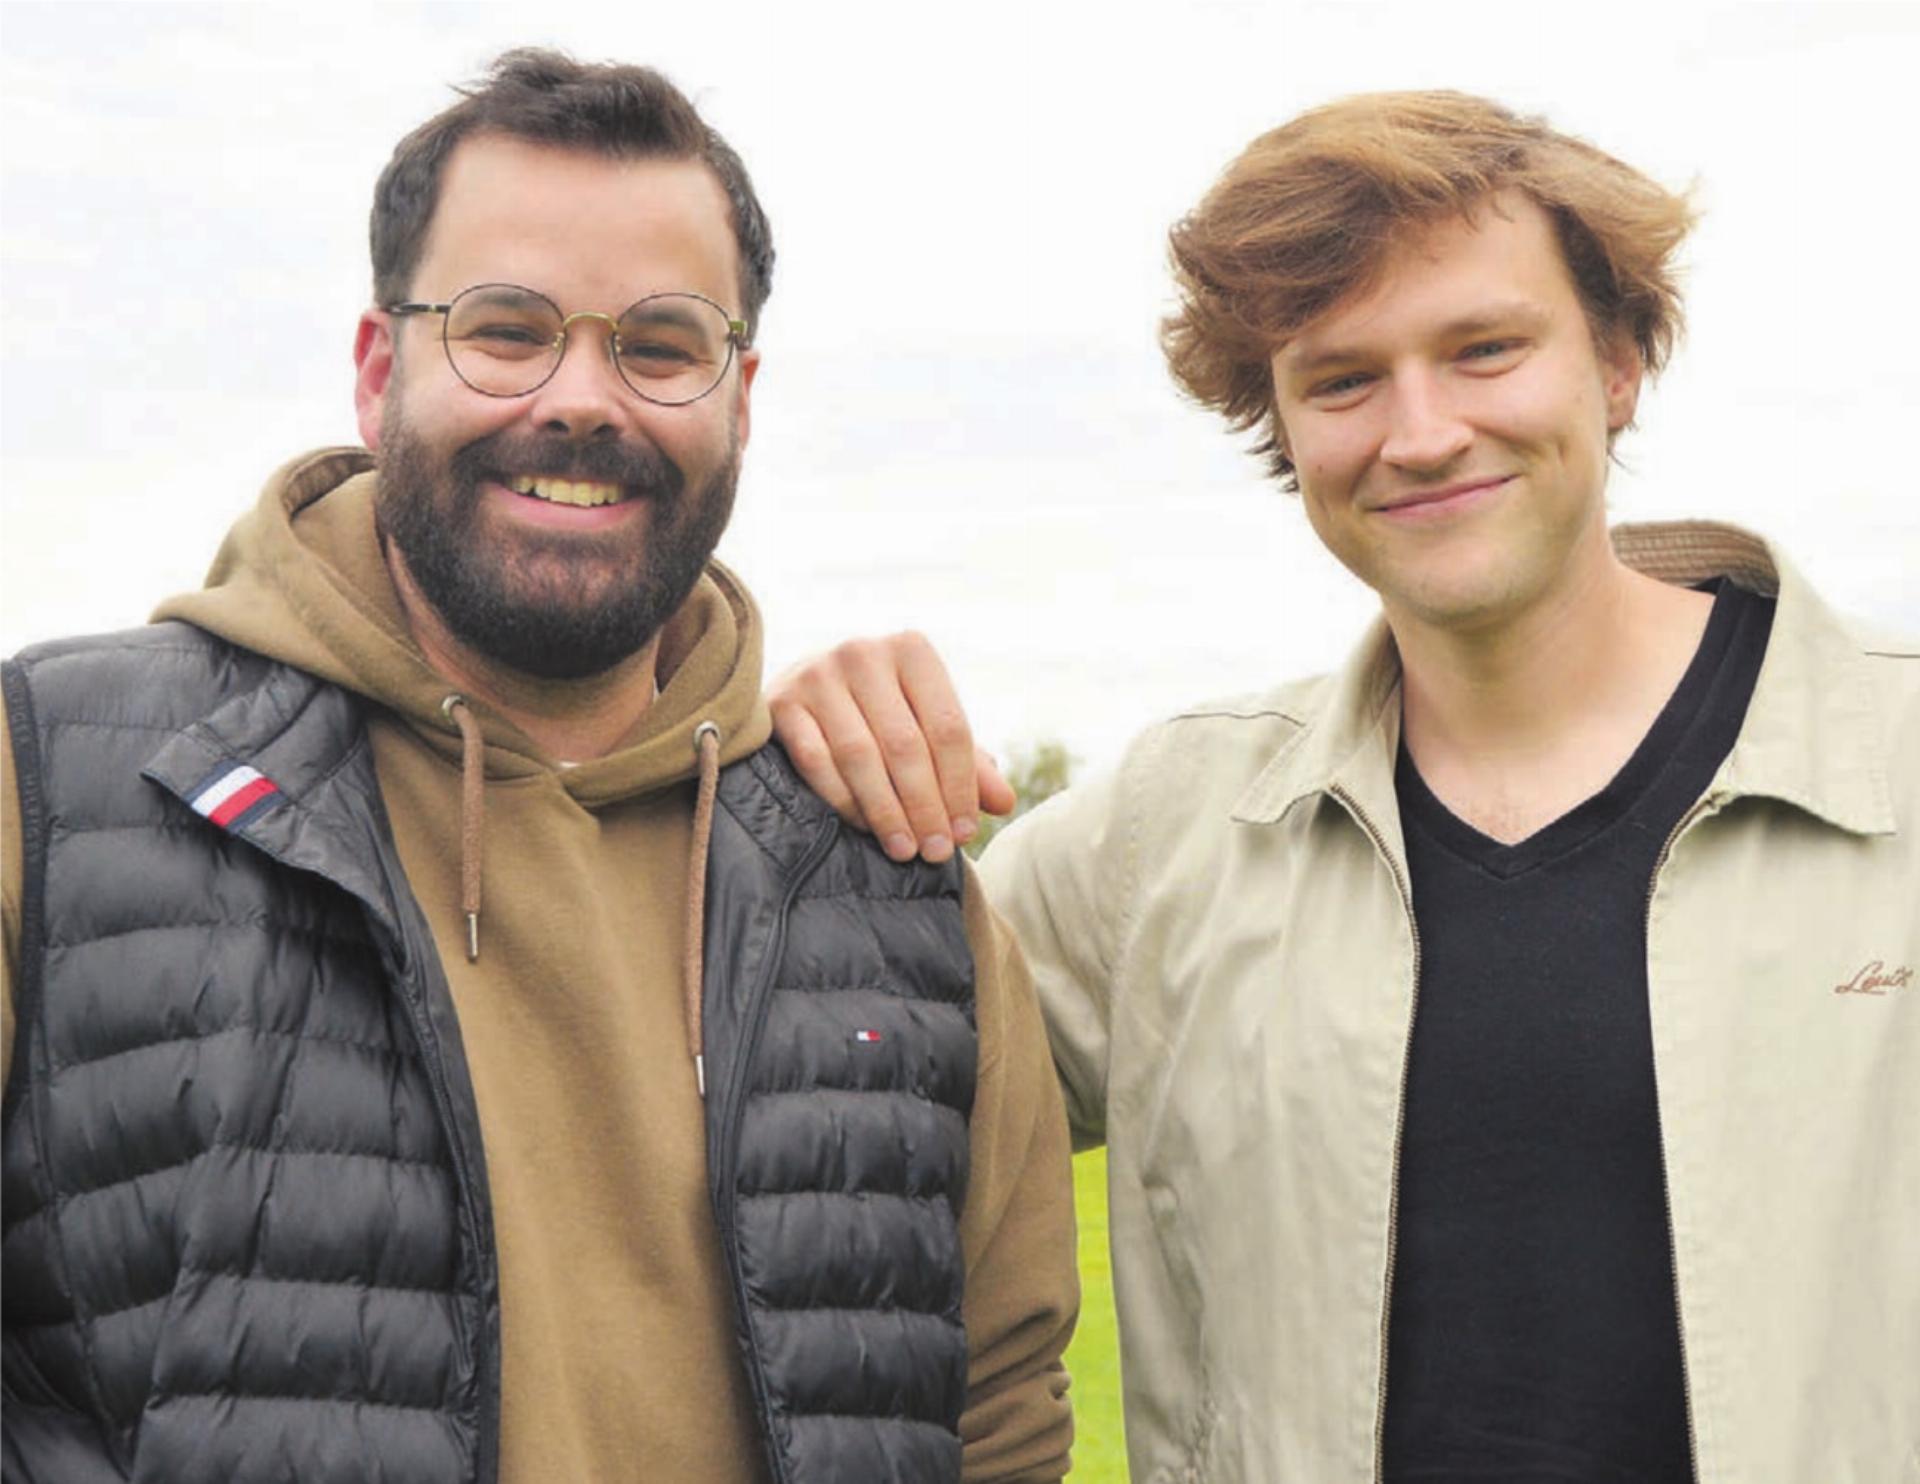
{"type": "Point", "coordinates": [1093, 1359]}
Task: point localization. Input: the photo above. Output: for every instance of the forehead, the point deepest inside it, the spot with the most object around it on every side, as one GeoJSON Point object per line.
{"type": "Point", "coordinates": [1504, 257]}
{"type": "Point", "coordinates": [589, 231]}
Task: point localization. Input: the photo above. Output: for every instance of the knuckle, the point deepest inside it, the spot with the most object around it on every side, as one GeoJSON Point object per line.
{"type": "Point", "coordinates": [885, 812]}
{"type": "Point", "coordinates": [859, 751]}
{"type": "Point", "coordinates": [929, 810]}
{"type": "Point", "coordinates": [809, 754]}
{"type": "Point", "coordinates": [947, 728]}
{"type": "Point", "coordinates": [900, 740]}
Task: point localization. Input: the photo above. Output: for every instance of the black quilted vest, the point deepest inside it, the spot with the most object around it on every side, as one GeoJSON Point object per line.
{"type": "Point", "coordinates": [247, 1229]}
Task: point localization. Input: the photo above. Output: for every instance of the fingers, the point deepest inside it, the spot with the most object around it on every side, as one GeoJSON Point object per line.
{"type": "Point", "coordinates": [947, 736]}
{"type": "Point", "coordinates": [891, 767]}
{"type": "Point", "coordinates": [800, 734]}
{"type": "Point", "coordinates": [995, 793]}
{"type": "Point", "coordinates": [856, 720]}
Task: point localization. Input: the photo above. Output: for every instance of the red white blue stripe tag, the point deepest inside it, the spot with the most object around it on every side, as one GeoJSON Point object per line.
{"type": "Point", "coordinates": [866, 1037]}
{"type": "Point", "coordinates": [232, 792]}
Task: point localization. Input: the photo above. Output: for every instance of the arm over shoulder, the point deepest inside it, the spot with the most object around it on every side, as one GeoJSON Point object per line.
{"type": "Point", "coordinates": [1017, 1230]}
{"type": "Point", "coordinates": [1062, 877]}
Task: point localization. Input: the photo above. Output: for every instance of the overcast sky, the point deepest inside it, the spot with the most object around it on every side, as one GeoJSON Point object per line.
{"type": "Point", "coordinates": [961, 423]}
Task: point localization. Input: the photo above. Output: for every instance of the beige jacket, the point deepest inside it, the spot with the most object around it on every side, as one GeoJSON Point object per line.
{"type": "Point", "coordinates": [1223, 939]}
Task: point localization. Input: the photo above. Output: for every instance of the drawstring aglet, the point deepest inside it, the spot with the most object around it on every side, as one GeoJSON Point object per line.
{"type": "Point", "coordinates": [473, 802]}
{"type": "Point", "coordinates": [706, 747]}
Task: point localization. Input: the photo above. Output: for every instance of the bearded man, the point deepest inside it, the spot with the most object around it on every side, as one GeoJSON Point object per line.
{"type": "Point", "coordinates": [445, 1041]}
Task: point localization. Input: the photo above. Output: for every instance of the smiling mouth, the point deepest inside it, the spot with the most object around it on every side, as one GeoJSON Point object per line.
{"type": "Point", "coordinates": [1421, 498]}
{"type": "Point", "coordinates": [579, 492]}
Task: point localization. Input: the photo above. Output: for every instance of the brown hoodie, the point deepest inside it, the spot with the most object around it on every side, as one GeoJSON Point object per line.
{"type": "Point", "coordinates": [617, 1327]}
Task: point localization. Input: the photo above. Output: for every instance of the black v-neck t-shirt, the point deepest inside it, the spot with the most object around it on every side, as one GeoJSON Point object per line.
{"type": "Point", "coordinates": [1533, 1333]}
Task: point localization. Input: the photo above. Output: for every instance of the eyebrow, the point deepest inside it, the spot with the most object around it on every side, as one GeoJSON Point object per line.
{"type": "Point", "coordinates": [1522, 314]}
{"type": "Point", "coordinates": [652, 312]}
{"type": "Point", "coordinates": [499, 293]}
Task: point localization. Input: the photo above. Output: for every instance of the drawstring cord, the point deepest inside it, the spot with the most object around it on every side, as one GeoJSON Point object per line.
{"type": "Point", "coordinates": [706, 742]}
{"type": "Point", "coordinates": [473, 796]}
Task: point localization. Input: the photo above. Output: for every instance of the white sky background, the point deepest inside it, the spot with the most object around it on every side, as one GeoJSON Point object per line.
{"type": "Point", "coordinates": [962, 423]}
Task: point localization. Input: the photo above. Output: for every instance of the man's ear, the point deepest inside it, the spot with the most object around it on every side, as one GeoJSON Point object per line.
{"type": "Point", "coordinates": [373, 351]}
{"type": "Point", "coordinates": [743, 408]}
{"type": "Point", "coordinates": [1623, 371]}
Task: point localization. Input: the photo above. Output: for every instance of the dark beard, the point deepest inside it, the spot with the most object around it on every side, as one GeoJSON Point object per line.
{"type": "Point", "coordinates": [537, 609]}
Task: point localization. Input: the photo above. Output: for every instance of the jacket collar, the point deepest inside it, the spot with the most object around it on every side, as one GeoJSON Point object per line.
{"type": "Point", "coordinates": [1812, 735]}
{"type": "Point", "coordinates": [1346, 744]}
{"type": "Point", "coordinates": [282, 763]}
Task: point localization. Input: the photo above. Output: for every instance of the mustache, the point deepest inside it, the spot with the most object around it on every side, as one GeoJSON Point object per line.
{"type": "Point", "coordinates": [636, 466]}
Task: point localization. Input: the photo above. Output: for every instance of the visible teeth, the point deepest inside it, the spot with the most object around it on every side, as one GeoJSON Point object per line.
{"type": "Point", "coordinates": [566, 491]}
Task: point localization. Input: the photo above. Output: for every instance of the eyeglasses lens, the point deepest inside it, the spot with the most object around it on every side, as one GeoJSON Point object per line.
{"type": "Point", "coordinates": [503, 340]}
{"type": "Point", "coordinates": [674, 347]}
{"type": "Point", "coordinates": [506, 341]}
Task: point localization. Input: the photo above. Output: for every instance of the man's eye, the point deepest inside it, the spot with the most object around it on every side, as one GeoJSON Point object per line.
{"type": "Point", "coordinates": [655, 356]}
{"type": "Point", "coordinates": [1341, 386]}
{"type": "Point", "coordinates": [1489, 350]}
{"type": "Point", "coordinates": [508, 336]}
{"type": "Point", "coordinates": [651, 350]}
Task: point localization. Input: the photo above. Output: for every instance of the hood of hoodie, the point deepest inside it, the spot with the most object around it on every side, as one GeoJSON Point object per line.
{"type": "Point", "coordinates": [302, 579]}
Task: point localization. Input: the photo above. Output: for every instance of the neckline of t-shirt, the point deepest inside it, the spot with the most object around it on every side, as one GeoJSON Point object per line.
{"type": "Point", "coordinates": [1662, 747]}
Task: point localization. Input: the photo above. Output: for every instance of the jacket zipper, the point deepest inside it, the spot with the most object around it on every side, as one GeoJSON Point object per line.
{"type": "Point", "coordinates": [1399, 1120]}
{"type": "Point", "coordinates": [735, 1109]}
{"type": "Point", "coordinates": [1700, 807]}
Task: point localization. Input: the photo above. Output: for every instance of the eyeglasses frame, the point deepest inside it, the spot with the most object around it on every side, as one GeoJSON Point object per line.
{"type": "Point", "coordinates": [736, 337]}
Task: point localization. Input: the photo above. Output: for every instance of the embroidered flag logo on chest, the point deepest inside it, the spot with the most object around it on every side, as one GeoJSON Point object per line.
{"type": "Point", "coordinates": [233, 792]}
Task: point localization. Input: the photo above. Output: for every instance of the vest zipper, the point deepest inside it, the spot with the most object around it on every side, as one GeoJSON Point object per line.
{"type": "Point", "coordinates": [1399, 1119]}
{"type": "Point", "coordinates": [732, 1112]}
{"type": "Point", "coordinates": [1700, 807]}
{"type": "Point", "coordinates": [487, 1355]}
{"type": "Point", "coordinates": [393, 944]}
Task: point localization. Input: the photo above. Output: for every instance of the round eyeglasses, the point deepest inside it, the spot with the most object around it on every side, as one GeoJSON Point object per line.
{"type": "Point", "coordinates": [506, 341]}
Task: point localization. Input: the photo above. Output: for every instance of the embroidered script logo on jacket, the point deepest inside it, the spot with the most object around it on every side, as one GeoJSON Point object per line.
{"type": "Point", "coordinates": [1876, 978]}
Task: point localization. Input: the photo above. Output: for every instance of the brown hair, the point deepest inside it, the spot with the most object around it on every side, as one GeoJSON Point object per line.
{"type": "Point", "coordinates": [1307, 213]}
{"type": "Point", "coordinates": [546, 97]}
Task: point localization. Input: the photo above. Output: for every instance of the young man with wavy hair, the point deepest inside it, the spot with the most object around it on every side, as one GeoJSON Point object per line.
{"type": "Point", "coordinates": [1505, 1046]}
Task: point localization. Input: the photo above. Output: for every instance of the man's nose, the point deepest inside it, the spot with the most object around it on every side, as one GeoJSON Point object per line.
{"type": "Point", "coordinates": [1425, 432]}
{"type": "Point", "coordinates": [586, 396]}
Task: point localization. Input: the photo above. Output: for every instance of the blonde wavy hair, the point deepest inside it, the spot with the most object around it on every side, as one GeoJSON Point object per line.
{"type": "Point", "coordinates": [1306, 215]}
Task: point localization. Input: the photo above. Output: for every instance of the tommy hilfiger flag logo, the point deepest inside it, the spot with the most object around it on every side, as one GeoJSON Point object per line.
{"type": "Point", "coordinates": [866, 1037]}
{"type": "Point", "coordinates": [235, 790]}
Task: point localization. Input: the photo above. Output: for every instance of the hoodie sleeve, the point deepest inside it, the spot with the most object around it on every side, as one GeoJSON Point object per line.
{"type": "Point", "coordinates": [1017, 1231]}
